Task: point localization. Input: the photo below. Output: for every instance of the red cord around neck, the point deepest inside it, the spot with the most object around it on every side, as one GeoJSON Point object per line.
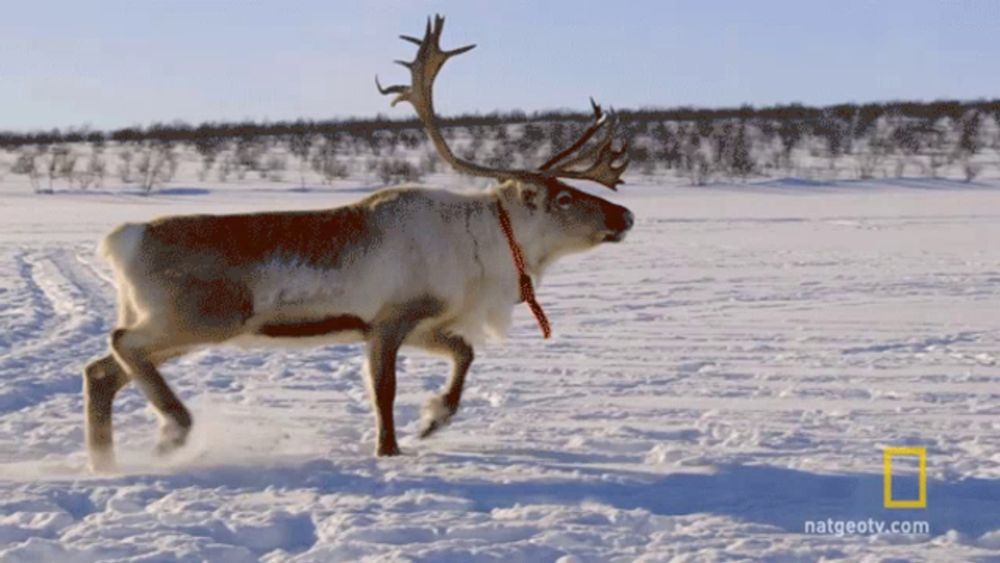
{"type": "Point", "coordinates": [527, 289]}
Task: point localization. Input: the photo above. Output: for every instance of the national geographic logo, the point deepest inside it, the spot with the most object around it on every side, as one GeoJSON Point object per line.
{"type": "Point", "coordinates": [895, 452]}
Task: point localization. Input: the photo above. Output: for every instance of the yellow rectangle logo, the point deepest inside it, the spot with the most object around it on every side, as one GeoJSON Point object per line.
{"type": "Point", "coordinates": [921, 454]}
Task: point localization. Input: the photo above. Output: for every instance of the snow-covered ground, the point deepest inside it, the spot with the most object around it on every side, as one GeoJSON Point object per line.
{"type": "Point", "coordinates": [730, 372]}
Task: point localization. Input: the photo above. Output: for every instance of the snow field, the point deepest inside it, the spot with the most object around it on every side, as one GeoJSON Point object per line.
{"type": "Point", "coordinates": [732, 370]}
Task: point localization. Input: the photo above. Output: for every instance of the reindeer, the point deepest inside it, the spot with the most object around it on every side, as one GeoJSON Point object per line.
{"type": "Point", "coordinates": [431, 269]}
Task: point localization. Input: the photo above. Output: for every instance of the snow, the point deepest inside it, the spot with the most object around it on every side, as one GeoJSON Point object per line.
{"type": "Point", "coordinates": [732, 370]}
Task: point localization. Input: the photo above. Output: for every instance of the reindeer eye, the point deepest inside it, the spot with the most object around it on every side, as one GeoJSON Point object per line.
{"type": "Point", "coordinates": [564, 199]}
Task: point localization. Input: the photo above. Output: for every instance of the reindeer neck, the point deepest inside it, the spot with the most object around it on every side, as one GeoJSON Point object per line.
{"type": "Point", "coordinates": [527, 233]}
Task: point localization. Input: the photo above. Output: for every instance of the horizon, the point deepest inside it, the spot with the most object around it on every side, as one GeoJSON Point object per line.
{"type": "Point", "coordinates": [227, 62]}
{"type": "Point", "coordinates": [501, 113]}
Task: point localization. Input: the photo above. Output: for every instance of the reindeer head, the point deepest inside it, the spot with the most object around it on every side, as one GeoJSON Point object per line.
{"type": "Point", "coordinates": [569, 218]}
{"type": "Point", "coordinates": [566, 219]}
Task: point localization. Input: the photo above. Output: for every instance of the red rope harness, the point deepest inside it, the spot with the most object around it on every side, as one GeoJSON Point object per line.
{"type": "Point", "coordinates": [527, 289]}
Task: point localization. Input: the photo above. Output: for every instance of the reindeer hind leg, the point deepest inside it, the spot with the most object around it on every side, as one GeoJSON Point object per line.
{"type": "Point", "coordinates": [103, 379]}
{"type": "Point", "coordinates": [137, 350]}
{"type": "Point", "coordinates": [199, 312]}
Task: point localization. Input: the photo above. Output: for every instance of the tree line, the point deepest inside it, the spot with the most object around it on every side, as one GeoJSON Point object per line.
{"type": "Point", "coordinates": [815, 118]}
{"type": "Point", "coordinates": [853, 140]}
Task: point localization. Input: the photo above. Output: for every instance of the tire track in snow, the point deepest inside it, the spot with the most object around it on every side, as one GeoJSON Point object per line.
{"type": "Point", "coordinates": [27, 313]}
{"type": "Point", "coordinates": [77, 304]}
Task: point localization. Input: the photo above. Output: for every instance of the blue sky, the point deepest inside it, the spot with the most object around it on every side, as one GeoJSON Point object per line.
{"type": "Point", "coordinates": [113, 63]}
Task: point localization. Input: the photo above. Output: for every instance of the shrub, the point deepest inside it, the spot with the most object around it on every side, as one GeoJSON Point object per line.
{"type": "Point", "coordinates": [396, 171]}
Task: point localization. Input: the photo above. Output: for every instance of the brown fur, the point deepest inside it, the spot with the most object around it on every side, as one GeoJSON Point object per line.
{"type": "Point", "coordinates": [319, 239]}
{"type": "Point", "coordinates": [308, 328]}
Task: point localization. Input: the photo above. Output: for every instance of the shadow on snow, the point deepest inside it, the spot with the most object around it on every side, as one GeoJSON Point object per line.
{"type": "Point", "coordinates": [774, 496]}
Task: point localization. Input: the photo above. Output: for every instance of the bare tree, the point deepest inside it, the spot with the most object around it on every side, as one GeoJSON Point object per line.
{"type": "Point", "coordinates": [695, 163]}
{"type": "Point", "coordinates": [61, 164]}
{"type": "Point", "coordinates": [126, 155]}
{"type": "Point", "coordinates": [156, 165]}
{"type": "Point", "coordinates": [300, 144]}
{"type": "Point", "coordinates": [326, 162]}
{"type": "Point", "coordinates": [877, 147]}
{"type": "Point", "coordinates": [26, 163]}
{"type": "Point", "coordinates": [969, 143]}
{"type": "Point", "coordinates": [92, 174]}
{"type": "Point", "coordinates": [397, 171]}
{"type": "Point", "coordinates": [248, 153]}
{"type": "Point", "coordinates": [208, 148]}
{"type": "Point", "coordinates": [790, 132]}
{"type": "Point", "coordinates": [429, 162]}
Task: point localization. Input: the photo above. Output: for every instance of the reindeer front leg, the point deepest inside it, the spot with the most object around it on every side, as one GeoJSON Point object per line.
{"type": "Point", "coordinates": [383, 348]}
{"type": "Point", "coordinates": [385, 336]}
{"type": "Point", "coordinates": [439, 410]}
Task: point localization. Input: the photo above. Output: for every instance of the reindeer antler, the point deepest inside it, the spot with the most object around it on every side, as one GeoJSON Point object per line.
{"type": "Point", "coordinates": [596, 163]}
{"type": "Point", "coordinates": [601, 156]}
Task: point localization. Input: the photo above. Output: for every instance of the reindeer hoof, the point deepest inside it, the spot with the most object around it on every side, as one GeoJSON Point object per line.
{"type": "Point", "coordinates": [172, 437]}
{"type": "Point", "coordinates": [388, 450]}
{"type": "Point", "coordinates": [437, 414]}
{"type": "Point", "coordinates": [164, 448]}
{"type": "Point", "coordinates": [430, 428]}
{"type": "Point", "coordinates": [102, 462]}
